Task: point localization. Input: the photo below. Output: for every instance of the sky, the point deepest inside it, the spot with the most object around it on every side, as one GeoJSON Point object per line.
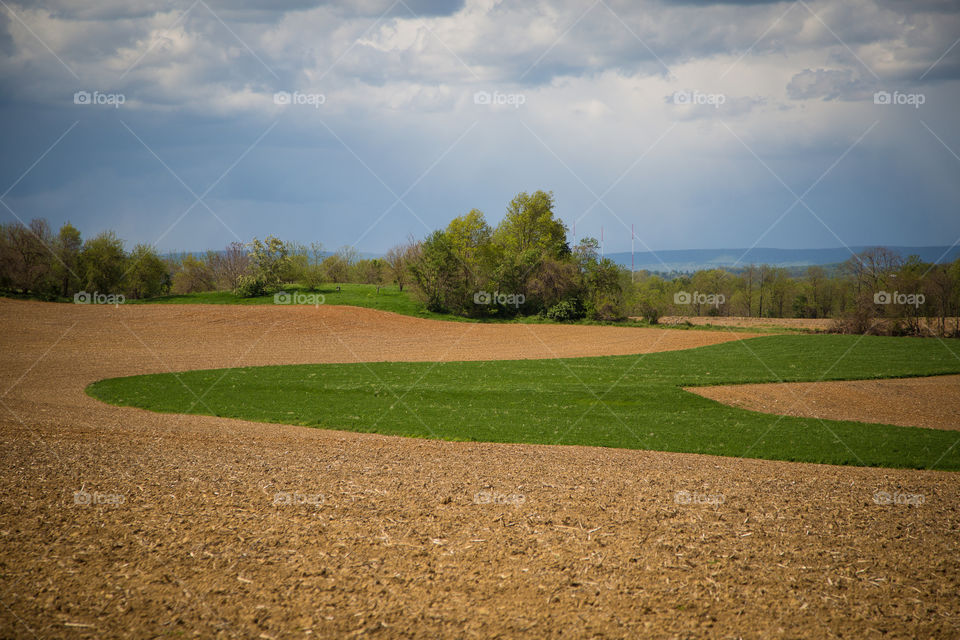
{"type": "Point", "coordinates": [658, 125]}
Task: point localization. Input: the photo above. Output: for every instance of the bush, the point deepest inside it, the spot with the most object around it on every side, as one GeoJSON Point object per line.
{"type": "Point", "coordinates": [565, 311]}
{"type": "Point", "coordinates": [313, 277]}
{"type": "Point", "coordinates": [250, 286]}
{"type": "Point", "coordinates": [607, 309]}
{"type": "Point", "coordinates": [649, 312]}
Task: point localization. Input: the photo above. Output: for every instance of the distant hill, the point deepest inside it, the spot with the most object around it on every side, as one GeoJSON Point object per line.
{"type": "Point", "coordinates": [684, 260]}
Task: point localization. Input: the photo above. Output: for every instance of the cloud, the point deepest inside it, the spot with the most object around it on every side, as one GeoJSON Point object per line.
{"type": "Point", "coordinates": [598, 83]}
{"type": "Point", "coordinates": [828, 84]}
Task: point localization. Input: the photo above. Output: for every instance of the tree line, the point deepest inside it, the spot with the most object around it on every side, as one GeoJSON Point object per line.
{"type": "Point", "coordinates": [523, 266]}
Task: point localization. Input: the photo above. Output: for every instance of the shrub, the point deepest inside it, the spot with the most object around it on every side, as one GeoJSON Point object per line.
{"type": "Point", "coordinates": [250, 286]}
{"type": "Point", "coordinates": [565, 311]}
{"type": "Point", "coordinates": [313, 277]}
{"type": "Point", "coordinates": [607, 309]}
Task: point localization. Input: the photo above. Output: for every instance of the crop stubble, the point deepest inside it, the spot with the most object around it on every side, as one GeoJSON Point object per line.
{"type": "Point", "coordinates": [385, 536]}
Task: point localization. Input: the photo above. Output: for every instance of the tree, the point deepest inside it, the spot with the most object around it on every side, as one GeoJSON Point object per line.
{"type": "Point", "coordinates": [147, 275]}
{"type": "Point", "coordinates": [909, 283]}
{"type": "Point", "coordinates": [818, 303]}
{"type": "Point", "coordinates": [193, 276]}
{"type": "Point", "coordinates": [763, 283]}
{"type": "Point", "coordinates": [27, 256]}
{"type": "Point", "coordinates": [605, 290]}
{"type": "Point", "coordinates": [871, 269]}
{"type": "Point", "coordinates": [370, 271]}
{"type": "Point", "coordinates": [335, 269]}
{"type": "Point", "coordinates": [709, 283]}
{"type": "Point", "coordinates": [349, 255]}
{"type": "Point", "coordinates": [397, 259]}
{"type": "Point", "coordinates": [529, 225]}
{"type": "Point", "coordinates": [297, 264]}
{"type": "Point", "coordinates": [941, 284]}
{"type": "Point", "coordinates": [229, 265]}
{"type": "Point", "coordinates": [316, 254]}
{"type": "Point", "coordinates": [781, 290]}
{"type": "Point", "coordinates": [103, 263]}
{"type": "Point", "coordinates": [469, 237]}
{"type": "Point", "coordinates": [651, 297]}
{"type": "Point", "coordinates": [67, 266]}
{"type": "Point", "coordinates": [750, 276]}
{"type": "Point", "coordinates": [269, 259]}
{"type": "Point", "coordinates": [437, 274]}
{"type": "Point", "coordinates": [954, 274]}
{"type": "Point", "coordinates": [586, 252]}
{"type": "Point", "coordinates": [552, 281]}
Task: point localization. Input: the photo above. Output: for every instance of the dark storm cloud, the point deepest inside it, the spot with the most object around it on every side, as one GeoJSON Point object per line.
{"type": "Point", "coordinates": [399, 79]}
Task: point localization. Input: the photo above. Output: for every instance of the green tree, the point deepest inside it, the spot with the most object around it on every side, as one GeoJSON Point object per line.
{"type": "Point", "coordinates": [469, 237]}
{"type": "Point", "coordinates": [269, 259]}
{"type": "Point", "coordinates": [605, 288]}
{"type": "Point", "coordinates": [193, 276]}
{"type": "Point", "coordinates": [147, 274]}
{"type": "Point", "coordinates": [103, 263]}
{"type": "Point", "coordinates": [529, 225]}
{"type": "Point", "coordinates": [552, 281]}
{"type": "Point", "coordinates": [651, 297]}
{"type": "Point", "coordinates": [781, 291]}
{"type": "Point", "coordinates": [438, 276]}
{"type": "Point", "coordinates": [335, 269]}
{"type": "Point", "coordinates": [369, 271]}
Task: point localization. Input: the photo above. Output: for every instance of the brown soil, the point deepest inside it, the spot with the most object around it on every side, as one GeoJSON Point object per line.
{"type": "Point", "coordinates": [384, 537]}
{"type": "Point", "coordinates": [810, 324]}
{"type": "Point", "coordinates": [911, 402]}
{"type": "Point", "coordinates": [819, 324]}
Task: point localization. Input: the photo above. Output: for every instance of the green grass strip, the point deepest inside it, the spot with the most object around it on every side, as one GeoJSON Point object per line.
{"type": "Point", "coordinates": [632, 402]}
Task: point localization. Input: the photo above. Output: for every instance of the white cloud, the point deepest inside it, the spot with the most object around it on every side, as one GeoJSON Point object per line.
{"type": "Point", "coordinates": [596, 86]}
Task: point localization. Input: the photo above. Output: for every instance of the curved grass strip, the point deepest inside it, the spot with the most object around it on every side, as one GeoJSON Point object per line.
{"type": "Point", "coordinates": [616, 401]}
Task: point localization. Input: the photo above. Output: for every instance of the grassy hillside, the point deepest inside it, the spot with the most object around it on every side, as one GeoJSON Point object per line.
{"type": "Point", "coordinates": [625, 401]}
{"type": "Point", "coordinates": [388, 298]}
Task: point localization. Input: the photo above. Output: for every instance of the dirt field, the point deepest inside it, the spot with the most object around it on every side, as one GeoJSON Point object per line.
{"type": "Point", "coordinates": [812, 324]}
{"type": "Point", "coordinates": [915, 402]}
{"type": "Point", "coordinates": [741, 321]}
{"type": "Point", "coordinates": [118, 522]}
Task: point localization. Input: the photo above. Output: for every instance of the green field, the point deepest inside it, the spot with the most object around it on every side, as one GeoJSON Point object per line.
{"type": "Point", "coordinates": [388, 298]}
{"type": "Point", "coordinates": [623, 401]}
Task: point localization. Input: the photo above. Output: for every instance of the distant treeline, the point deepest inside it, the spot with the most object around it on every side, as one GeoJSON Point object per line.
{"type": "Point", "coordinates": [523, 266]}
